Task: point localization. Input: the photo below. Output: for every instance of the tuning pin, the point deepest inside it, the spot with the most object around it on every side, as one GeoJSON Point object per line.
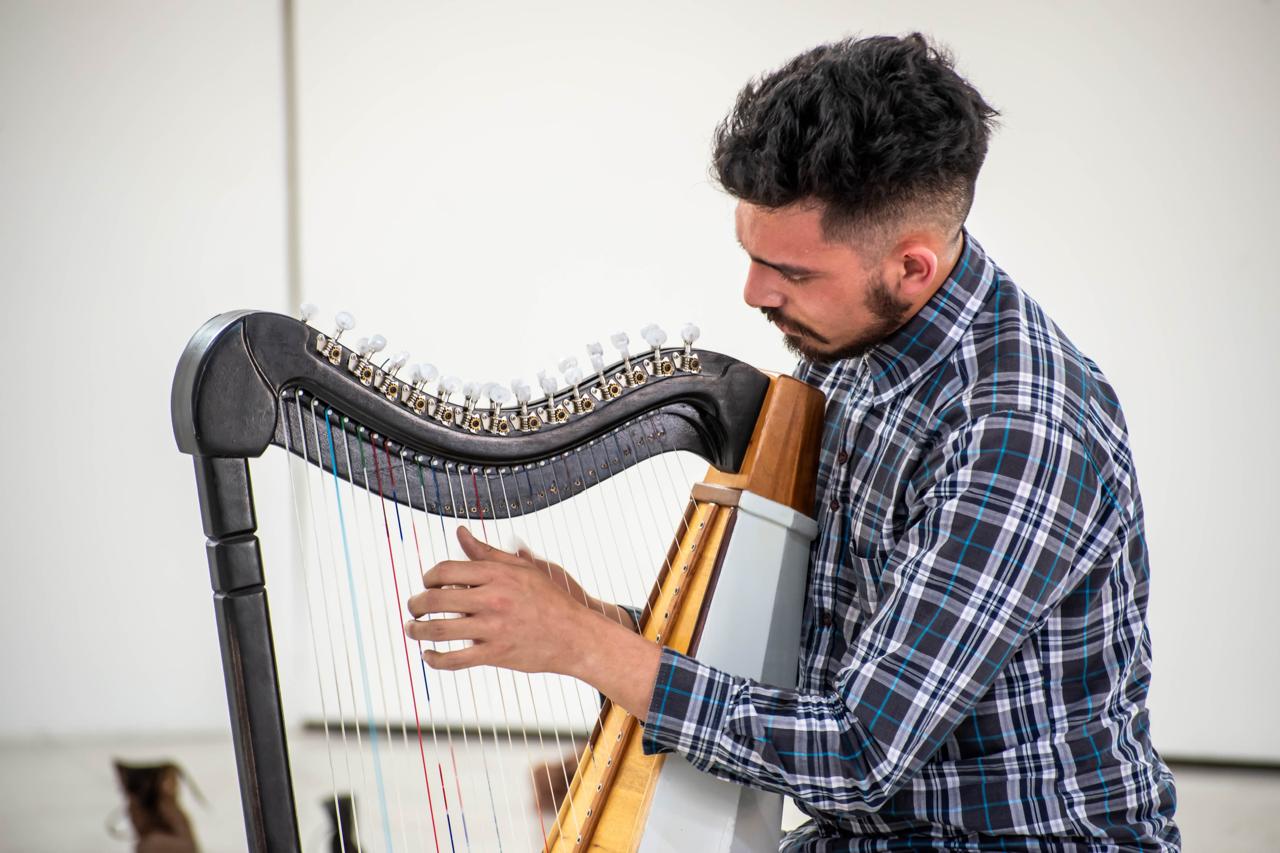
{"type": "Point", "coordinates": [345, 323]}
{"type": "Point", "coordinates": [470, 393]}
{"type": "Point", "coordinates": [595, 354]}
{"type": "Point", "coordinates": [498, 397]}
{"type": "Point", "coordinates": [548, 385]}
{"type": "Point", "coordinates": [377, 343]}
{"type": "Point", "coordinates": [307, 311]}
{"type": "Point", "coordinates": [413, 375]}
{"type": "Point", "coordinates": [448, 387]}
{"type": "Point", "coordinates": [427, 374]}
{"type": "Point", "coordinates": [687, 360]}
{"type": "Point", "coordinates": [655, 337]}
{"type": "Point", "coordinates": [525, 421]}
{"type": "Point", "coordinates": [622, 344]}
{"type": "Point", "coordinates": [397, 361]}
{"type": "Point", "coordinates": [362, 347]}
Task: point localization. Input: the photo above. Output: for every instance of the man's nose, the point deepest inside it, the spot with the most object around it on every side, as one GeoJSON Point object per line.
{"type": "Point", "coordinates": [760, 291]}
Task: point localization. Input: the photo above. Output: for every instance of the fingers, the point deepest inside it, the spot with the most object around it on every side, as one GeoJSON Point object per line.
{"type": "Point", "coordinates": [456, 573]}
{"type": "Point", "coordinates": [460, 659]}
{"type": "Point", "coordinates": [443, 630]}
{"type": "Point", "coordinates": [437, 600]}
{"type": "Point", "coordinates": [477, 550]}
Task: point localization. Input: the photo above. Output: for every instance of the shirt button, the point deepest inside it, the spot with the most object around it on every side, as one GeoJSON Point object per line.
{"type": "Point", "coordinates": [825, 619]}
{"type": "Point", "coordinates": [835, 504]}
{"type": "Point", "coordinates": [842, 457]}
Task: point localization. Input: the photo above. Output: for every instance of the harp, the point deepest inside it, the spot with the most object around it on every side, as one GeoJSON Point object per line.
{"type": "Point", "coordinates": [729, 588]}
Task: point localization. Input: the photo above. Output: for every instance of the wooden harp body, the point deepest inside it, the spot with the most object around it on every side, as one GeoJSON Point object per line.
{"type": "Point", "coordinates": [729, 590]}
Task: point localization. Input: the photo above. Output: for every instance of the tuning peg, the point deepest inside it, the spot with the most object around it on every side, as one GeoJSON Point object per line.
{"type": "Point", "coordinates": [548, 386]}
{"type": "Point", "coordinates": [413, 375]}
{"type": "Point", "coordinates": [345, 323]}
{"type": "Point", "coordinates": [498, 395]}
{"type": "Point", "coordinates": [595, 354]}
{"type": "Point", "coordinates": [397, 362]}
{"type": "Point", "coordinates": [377, 343]}
{"type": "Point", "coordinates": [470, 393]}
{"type": "Point", "coordinates": [362, 347]}
{"type": "Point", "coordinates": [690, 333]}
{"type": "Point", "coordinates": [653, 335]}
{"type": "Point", "coordinates": [427, 373]}
{"type": "Point", "coordinates": [521, 390]}
{"type": "Point", "coordinates": [307, 311]}
{"type": "Point", "coordinates": [622, 344]}
{"type": "Point", "coordinates": [448, 387]}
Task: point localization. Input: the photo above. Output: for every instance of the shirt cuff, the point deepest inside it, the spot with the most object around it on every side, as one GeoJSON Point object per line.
{"type": "Point", "coordinates": [689, 707]}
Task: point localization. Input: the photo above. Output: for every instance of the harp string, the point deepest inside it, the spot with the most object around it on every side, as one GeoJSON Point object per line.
{"type": "Point", "coordinates": [323, 572]}
{"type": "Point", "coordinates": [533, 706]}
{"type": "Point", "coordinates": [449, 646]}
{"type": "Point", "coordinates": [306, 591]}
{"type": "Point", "coordinates": [359, 546]}
{"type": "Point", "coordinates": [356, 625]}
{"type": "Point", "coordinates": [470, 673]}
{"type": "Point", "coordinates": [421, 664]}
{"type": "Point", "coordinates": [559, 553]}
{"type": "Point", "coordinates": [392, 624]}
{"type": "Point", "coordinates": [580, 567]}
{"type": "Point", "coordinates": [435, 483]}
{"type": "Point", "coordinates": [511, 676]}
{"type": "Point", "coordinates": [439, 697]}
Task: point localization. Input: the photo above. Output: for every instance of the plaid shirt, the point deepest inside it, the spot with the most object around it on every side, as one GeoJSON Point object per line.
{"type": "Point", "coordinates": [975, 656]}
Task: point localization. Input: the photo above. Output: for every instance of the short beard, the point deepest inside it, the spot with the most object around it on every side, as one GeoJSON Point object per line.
{"type": "Point", "coordinates": [888, 314]}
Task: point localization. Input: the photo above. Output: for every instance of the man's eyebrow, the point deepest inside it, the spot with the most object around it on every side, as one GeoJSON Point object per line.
{"type": "Point", "coordinates": [789, 270]}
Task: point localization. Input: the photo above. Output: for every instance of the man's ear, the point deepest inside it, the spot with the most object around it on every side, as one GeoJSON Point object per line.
{"type": "Point", "coordinates": [916, 266]}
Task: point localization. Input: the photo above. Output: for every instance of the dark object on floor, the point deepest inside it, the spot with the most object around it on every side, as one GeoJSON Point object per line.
{"type": "Point", "coordinates": [342, 811]}
{"type": "Point", "coordinates": [551, 782]}
{"type": "Point", "coordinates": [151, 801]}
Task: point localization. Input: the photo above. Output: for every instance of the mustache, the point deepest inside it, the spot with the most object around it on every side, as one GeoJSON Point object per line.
{"type": "Point", "coordinates": [774, 315]}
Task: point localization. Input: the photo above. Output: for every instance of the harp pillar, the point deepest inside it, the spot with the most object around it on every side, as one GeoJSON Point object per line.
{"type": "Point", "coordinates": [248, 652]}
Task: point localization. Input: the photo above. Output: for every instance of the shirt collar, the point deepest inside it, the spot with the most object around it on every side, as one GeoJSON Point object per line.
{"type": "Point", "coordinates": [898, 362]}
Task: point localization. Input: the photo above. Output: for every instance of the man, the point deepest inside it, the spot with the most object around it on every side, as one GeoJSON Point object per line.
{"type": "Point", "coordinates": [975, 654]}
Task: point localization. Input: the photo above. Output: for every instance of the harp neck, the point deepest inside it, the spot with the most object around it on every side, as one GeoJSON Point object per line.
{"type": "Point", "coordinates": [781, 462]}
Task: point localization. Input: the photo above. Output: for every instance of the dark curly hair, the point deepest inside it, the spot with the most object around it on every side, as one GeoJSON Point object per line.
{"type": "Point", "coordinates": [878, 129]}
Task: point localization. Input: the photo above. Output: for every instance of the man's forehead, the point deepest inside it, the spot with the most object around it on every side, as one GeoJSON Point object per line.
{"type": "Point", "coordinates": [795, 230]}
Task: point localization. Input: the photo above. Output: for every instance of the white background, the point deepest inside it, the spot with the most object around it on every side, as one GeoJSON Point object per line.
{"type": "Point", "coordinates": [492, 185]}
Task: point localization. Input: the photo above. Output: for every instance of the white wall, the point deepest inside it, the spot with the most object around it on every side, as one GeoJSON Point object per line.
{"type": "Point", "coordinates": [492, 185]}
{"type": "Point", "coordinates": [141, 191]}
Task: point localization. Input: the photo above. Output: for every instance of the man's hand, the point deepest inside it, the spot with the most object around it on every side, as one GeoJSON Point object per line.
{"type": "Point", "coordinates": [530, 615]}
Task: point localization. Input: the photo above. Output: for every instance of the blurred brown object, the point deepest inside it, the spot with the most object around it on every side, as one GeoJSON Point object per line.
{"type": "Point", "coordinates": [551, 782]}
{"type": "Point", "coordinates": [151, 801]}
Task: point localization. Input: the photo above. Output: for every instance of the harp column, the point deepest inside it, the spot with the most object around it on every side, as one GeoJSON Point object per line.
{"type": "Point", "coordinates": [248, 652]}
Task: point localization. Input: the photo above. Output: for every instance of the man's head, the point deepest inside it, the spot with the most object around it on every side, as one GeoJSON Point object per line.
{"type": "Point", "coordinates": [854, 165]}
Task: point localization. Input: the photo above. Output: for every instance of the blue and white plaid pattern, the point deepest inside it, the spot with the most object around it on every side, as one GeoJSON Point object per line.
{"type": "Point", "coordinates": [975, 656]}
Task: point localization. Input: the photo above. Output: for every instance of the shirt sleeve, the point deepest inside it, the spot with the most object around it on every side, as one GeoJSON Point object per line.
{"type": "Point", "coordinates": [1006, 514]}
